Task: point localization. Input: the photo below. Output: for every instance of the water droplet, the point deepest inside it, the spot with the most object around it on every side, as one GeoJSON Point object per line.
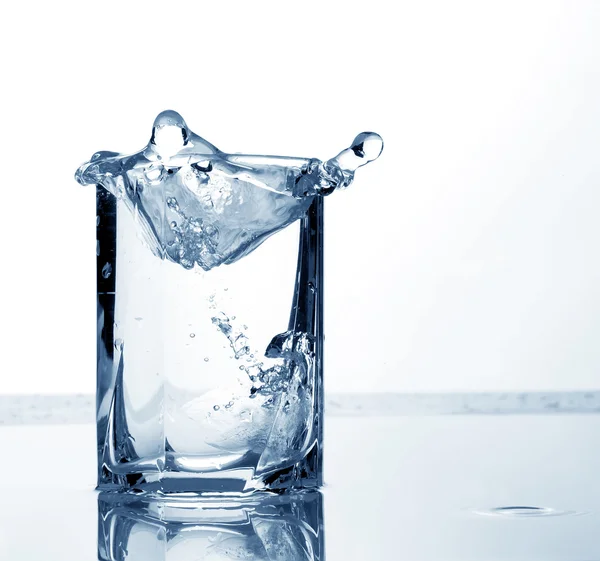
{"type": "Point", "coordinates": [97, 248]}
{"type": "Point", "coordinates": [242, 367]}
{"type": "Point", "coordinates": [216, 407]}
{"type": "Point", "coordinates": [192, 335]}
{"type": "Point", "coordinates": [226, 289]}
{"type": "Point", "coordinates": [229, 405]}
{"type": "Point", "coordinates": [206, 359]}
{"type": "Point", "coordinates": [169, 133]}
{"type": "Point", "coordinates": [311, 287]}
{"type": "Point", "coordinates": [173, 225]}
{"type": "Point", "coordinates": [367, 146]}
{"type": "Point", "coordinates": [119, 344]}
{"type": "Point", "coordinates": [232, 318]}
{"type": "Point", "coordinates": [106, 270]}
{"type": "Point", "coordinates": [97, 221]}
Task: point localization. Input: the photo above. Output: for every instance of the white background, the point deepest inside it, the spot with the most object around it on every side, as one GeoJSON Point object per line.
{"type": "Point", "coordinates": [465, 259]}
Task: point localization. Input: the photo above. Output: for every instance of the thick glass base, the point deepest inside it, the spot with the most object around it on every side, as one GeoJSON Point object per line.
{"type": "Point", "coordinates": [237, 481]}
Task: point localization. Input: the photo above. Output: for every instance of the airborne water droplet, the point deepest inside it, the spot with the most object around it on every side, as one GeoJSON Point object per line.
{"type": "Point", "coordinates": [216, 407]}
{"type": "Point", "coordinates": [106, 270]}
{"type": "Point", "coordinates": [206, 359]}
{"type": "Point", "coordinates": [192, 335]}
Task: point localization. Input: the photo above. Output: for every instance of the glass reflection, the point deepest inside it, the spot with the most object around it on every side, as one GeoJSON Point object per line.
{"type": "Point", "coordinates": [265, 528]}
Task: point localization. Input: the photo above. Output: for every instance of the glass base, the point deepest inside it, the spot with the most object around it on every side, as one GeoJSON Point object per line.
{"type": "Point", "coordinates": [240, 480]}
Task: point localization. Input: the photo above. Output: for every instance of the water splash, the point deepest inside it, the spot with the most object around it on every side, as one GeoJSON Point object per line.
{"type": "Point", "coordinates": [200, 206]}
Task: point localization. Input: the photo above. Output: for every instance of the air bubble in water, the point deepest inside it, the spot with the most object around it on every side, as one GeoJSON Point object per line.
{"type": "Point", "coordinates": [192, 335]}
{"type": "Point", "coordinates": [216, 407]}
{"type": "Point", "coordinates": [206, 359]}
{"type": "Point", "coordinates": [106, 270]}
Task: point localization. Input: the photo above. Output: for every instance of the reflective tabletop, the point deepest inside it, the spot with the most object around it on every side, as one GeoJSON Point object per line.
{"type": "Point", "coordinates": [429, 483]}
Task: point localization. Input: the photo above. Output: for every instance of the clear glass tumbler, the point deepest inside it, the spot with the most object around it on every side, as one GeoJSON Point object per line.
{"type": "Point", "coordinates": [210, 314]}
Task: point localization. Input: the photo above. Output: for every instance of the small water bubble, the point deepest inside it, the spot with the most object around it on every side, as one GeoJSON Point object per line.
{"type": "Point", "coordinates": [229, 405]}
{"type": "Point", "coordinates": [252, 355]}
{"type": "Point", "coordinates": [173, 224]}
{"type": "Point", "coordinates": [206, 359]}
{"type": "Point", "coordinates": [216, 407]}
{"type": "Point", "coordinates": [154, 174]}
{"type": "Point", "coordinates": [106, 270]}
{"type": "Point", "coordinates": [232, 318]}
{"type": "Point", "coordinates": [119, 344]}
{"type": "Point", "coordinates": [226, 289]}
{"type": "Point", "coordinates": [192, 335]}
{"type": "Point", "coordinates": [311, 287]}
{"type": "Point", "coordinates": [242, 367]}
